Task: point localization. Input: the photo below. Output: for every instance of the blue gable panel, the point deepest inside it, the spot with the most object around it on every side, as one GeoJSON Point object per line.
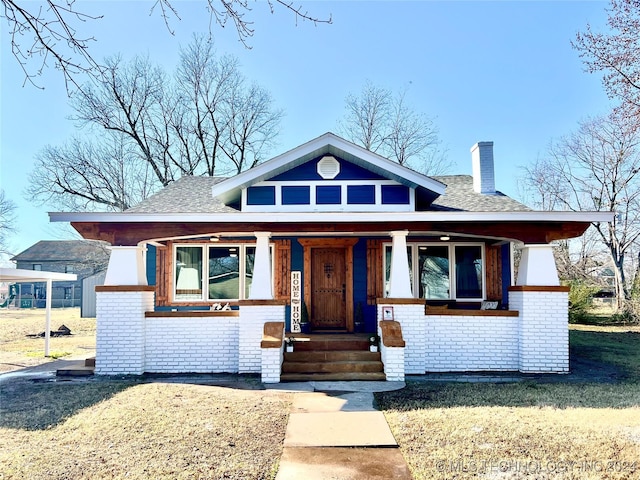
{"type": "Point", "coordinates": [361, 195]}
{"type": "Point", "coordinates": [306, 171]}
{"type": "Point", "coordinates": [296, 195]}
{"type": "Point", "coordinates": [395, 195]}
{"type": "Point", "coordinates": [506, 271]}
{"type": "Point", "coordinates": [309, 171]}
{"type": "Point", "coordinates": [328, 195]}
{"type": "Point", "coordinates": [261, 195]}
{"type": "Point", "coordinates": [151, 265]}
{"type": "Point", "coordinates": [350, 171]}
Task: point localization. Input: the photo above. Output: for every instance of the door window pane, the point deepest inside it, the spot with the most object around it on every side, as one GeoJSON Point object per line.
{"type": "Point", "coordinates": [468, 271]}
{"type": "Point", "coordinates": [224, 273]}
{"type": "Point", "coordinates": [433, 264]}
{"type": "Point", "coordinates": [189, 273]}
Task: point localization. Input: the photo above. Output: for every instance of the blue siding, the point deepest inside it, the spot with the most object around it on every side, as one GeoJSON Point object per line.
{"type": "Point", "coordinates": [506, 273]}
{"type": "Point", "coordinates": [395, 195]}
{"type": "Point", "coordinates": [295, 195]}
{"type": "Point", "coordinates": [309, 171]}
{"type": "Point", "coordinates": [360, 285]}
{"type": "Point", "coordinates": [328, 195]}
{"type": "Point", "coordinates": [151, 265]}
{"type": "Point", "coordinates": [350, 171]}
{"type": "Point", "coordinates": [261, 195]}
{"type": "Point", "coordinates": [361, 195]}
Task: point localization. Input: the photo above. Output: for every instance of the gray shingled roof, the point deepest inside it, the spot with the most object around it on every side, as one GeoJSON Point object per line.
{"type": "Point", "coordinates": [193, 195]}
{"type": "Point", "coordinates": [63, 251]}
{"type": "Point", "coordinates": [460, 196]}
{"type": "Point", "coordinates": [186, 195]}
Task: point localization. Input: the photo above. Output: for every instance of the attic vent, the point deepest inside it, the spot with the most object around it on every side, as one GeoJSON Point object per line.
{"type": "Point", "coordinates": [328, 167]}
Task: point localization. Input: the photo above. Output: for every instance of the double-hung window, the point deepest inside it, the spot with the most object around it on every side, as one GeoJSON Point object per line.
{"type": "Point", "coordinates": [213, 272]}
{"type": "Point", "coordinates": [443, 272]}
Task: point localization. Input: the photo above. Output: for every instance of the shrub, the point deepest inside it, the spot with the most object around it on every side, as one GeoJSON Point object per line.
{"type": "Point", "coordinates": [580, 300]}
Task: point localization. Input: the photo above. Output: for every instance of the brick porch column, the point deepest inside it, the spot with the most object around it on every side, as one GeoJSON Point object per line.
{"type": "Point", "coordinates": [120, 307]}
{"type": "Point", "coordinates": [544, 312]}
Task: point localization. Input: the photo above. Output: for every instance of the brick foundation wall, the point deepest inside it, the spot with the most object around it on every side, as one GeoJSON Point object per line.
{"type": "Point", "coordinates": [470, 343]}
{"type": "Point", "coordinates": [191, 344]}
{"type": "Point", "coordinates": [412, 320]}
{"type": "Point", "coordinates": [120, 331]}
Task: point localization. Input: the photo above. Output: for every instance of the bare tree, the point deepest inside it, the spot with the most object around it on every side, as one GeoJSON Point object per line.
{"type": "Point", "coordinates": [616, 53]}
{"type": "Point", "coordinates": [128, 101]}
{"type": "Point", "coordinates": [384, 123]}
{"type": "Point", "coordinates": [7, 222]}
{"type": "Point", "coordinates": [81, 175]}
{"type": "Point", "coordinates": [46, 33]}
{"type": "Point", "coordinates": [148, 129]}
{"type": "Point", "coordinates": [234, 125]}
{"type": "Point", "coordinates": [598, 168]}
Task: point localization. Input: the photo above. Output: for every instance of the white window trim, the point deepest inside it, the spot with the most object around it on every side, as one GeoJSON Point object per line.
{"type": "Point", "coordinates": [378, 206]}
{"type": "Point", "coordinates": [453, 294]}
{"type": "Point", "coordinates": [204, 296]}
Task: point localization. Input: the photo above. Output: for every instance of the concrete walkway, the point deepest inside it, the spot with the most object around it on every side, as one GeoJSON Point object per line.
{"type": "Point", "coordinates": [335, 432]}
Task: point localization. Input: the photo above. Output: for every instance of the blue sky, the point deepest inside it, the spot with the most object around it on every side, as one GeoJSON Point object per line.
{"type": "Point", "coordinates": [502, 71]}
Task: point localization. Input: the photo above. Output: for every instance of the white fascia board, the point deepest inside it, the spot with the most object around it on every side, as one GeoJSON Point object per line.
{"type": "Point", "coordinates": [325, 144]}
{"type": "Point", "coordinates": [21, 275]}
{"type": "Point", "coordinates": [331, 217]}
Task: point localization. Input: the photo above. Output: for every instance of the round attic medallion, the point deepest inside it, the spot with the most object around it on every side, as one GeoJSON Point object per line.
{"type": "Point", "coordinates": [328, 167]}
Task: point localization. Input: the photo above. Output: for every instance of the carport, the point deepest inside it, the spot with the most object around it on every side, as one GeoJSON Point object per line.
{"type": "Point", "coordinates": [19, 275]}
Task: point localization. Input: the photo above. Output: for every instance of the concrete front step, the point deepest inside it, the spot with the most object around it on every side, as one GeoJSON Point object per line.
{"type": "Point", "coordinates": [333, 377]}
{"type": "Point", "coordinates": [332, 367]}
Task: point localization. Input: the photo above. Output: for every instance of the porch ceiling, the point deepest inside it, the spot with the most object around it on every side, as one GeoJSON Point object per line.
{"type": "Point", "coordinates": [532, 232]}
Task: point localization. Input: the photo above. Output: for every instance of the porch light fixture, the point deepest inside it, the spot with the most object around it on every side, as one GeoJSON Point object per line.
{"type": "Point", "coordinates": [445, 238]}
{"type": "Point", "coordinates": [214, 239]}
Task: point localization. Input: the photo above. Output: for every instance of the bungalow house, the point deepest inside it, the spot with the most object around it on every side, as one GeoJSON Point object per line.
{"type": "Point", "coordinates": [210, 274]}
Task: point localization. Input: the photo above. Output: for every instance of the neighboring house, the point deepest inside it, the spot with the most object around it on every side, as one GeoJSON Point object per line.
{"type": "Point", "coordinates": [81, 257]}
{"type": "Point", "coordinates": [425, 261]}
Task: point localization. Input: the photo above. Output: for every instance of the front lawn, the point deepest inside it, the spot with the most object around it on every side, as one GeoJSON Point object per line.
{"type": "Point", "coordinates": [532, 429]}
{"type": "Point", "coordinates": [106, 429]}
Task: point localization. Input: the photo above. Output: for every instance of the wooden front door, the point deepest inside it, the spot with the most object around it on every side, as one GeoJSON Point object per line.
{"type": "Point", "coordinates": [329, 288]}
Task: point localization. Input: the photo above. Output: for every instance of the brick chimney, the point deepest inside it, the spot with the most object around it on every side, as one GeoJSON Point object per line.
{"type": "Point", "coordinates": [482, 167]}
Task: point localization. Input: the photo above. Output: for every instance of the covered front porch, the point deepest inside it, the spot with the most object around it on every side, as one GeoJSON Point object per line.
{"type": "Point", "coordinates": [373, 278]}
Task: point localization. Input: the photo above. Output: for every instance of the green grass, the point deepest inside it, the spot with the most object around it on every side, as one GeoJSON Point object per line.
{"type": "Point", "coordinates": [560, 429]}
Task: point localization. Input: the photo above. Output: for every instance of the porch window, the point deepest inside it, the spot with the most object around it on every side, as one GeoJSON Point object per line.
{"type": "Point", "coordinates": [188, 262]}
{"type": "Point", "coordinates": [228, 270]}
{"type": "Point", "coordinates": [468, 271]}
{"type": "Point", "coordinates": [433, 270]}
{"type": "Point", "coordinates": [452, 271]}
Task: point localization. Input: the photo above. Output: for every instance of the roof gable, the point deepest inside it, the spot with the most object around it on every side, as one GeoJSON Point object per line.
{"type": "Point", "coordinates": [280, 168]}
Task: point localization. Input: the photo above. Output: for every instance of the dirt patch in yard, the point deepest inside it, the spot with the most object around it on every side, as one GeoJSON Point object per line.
{"type": "Point", "coordinates": [18, 350]}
